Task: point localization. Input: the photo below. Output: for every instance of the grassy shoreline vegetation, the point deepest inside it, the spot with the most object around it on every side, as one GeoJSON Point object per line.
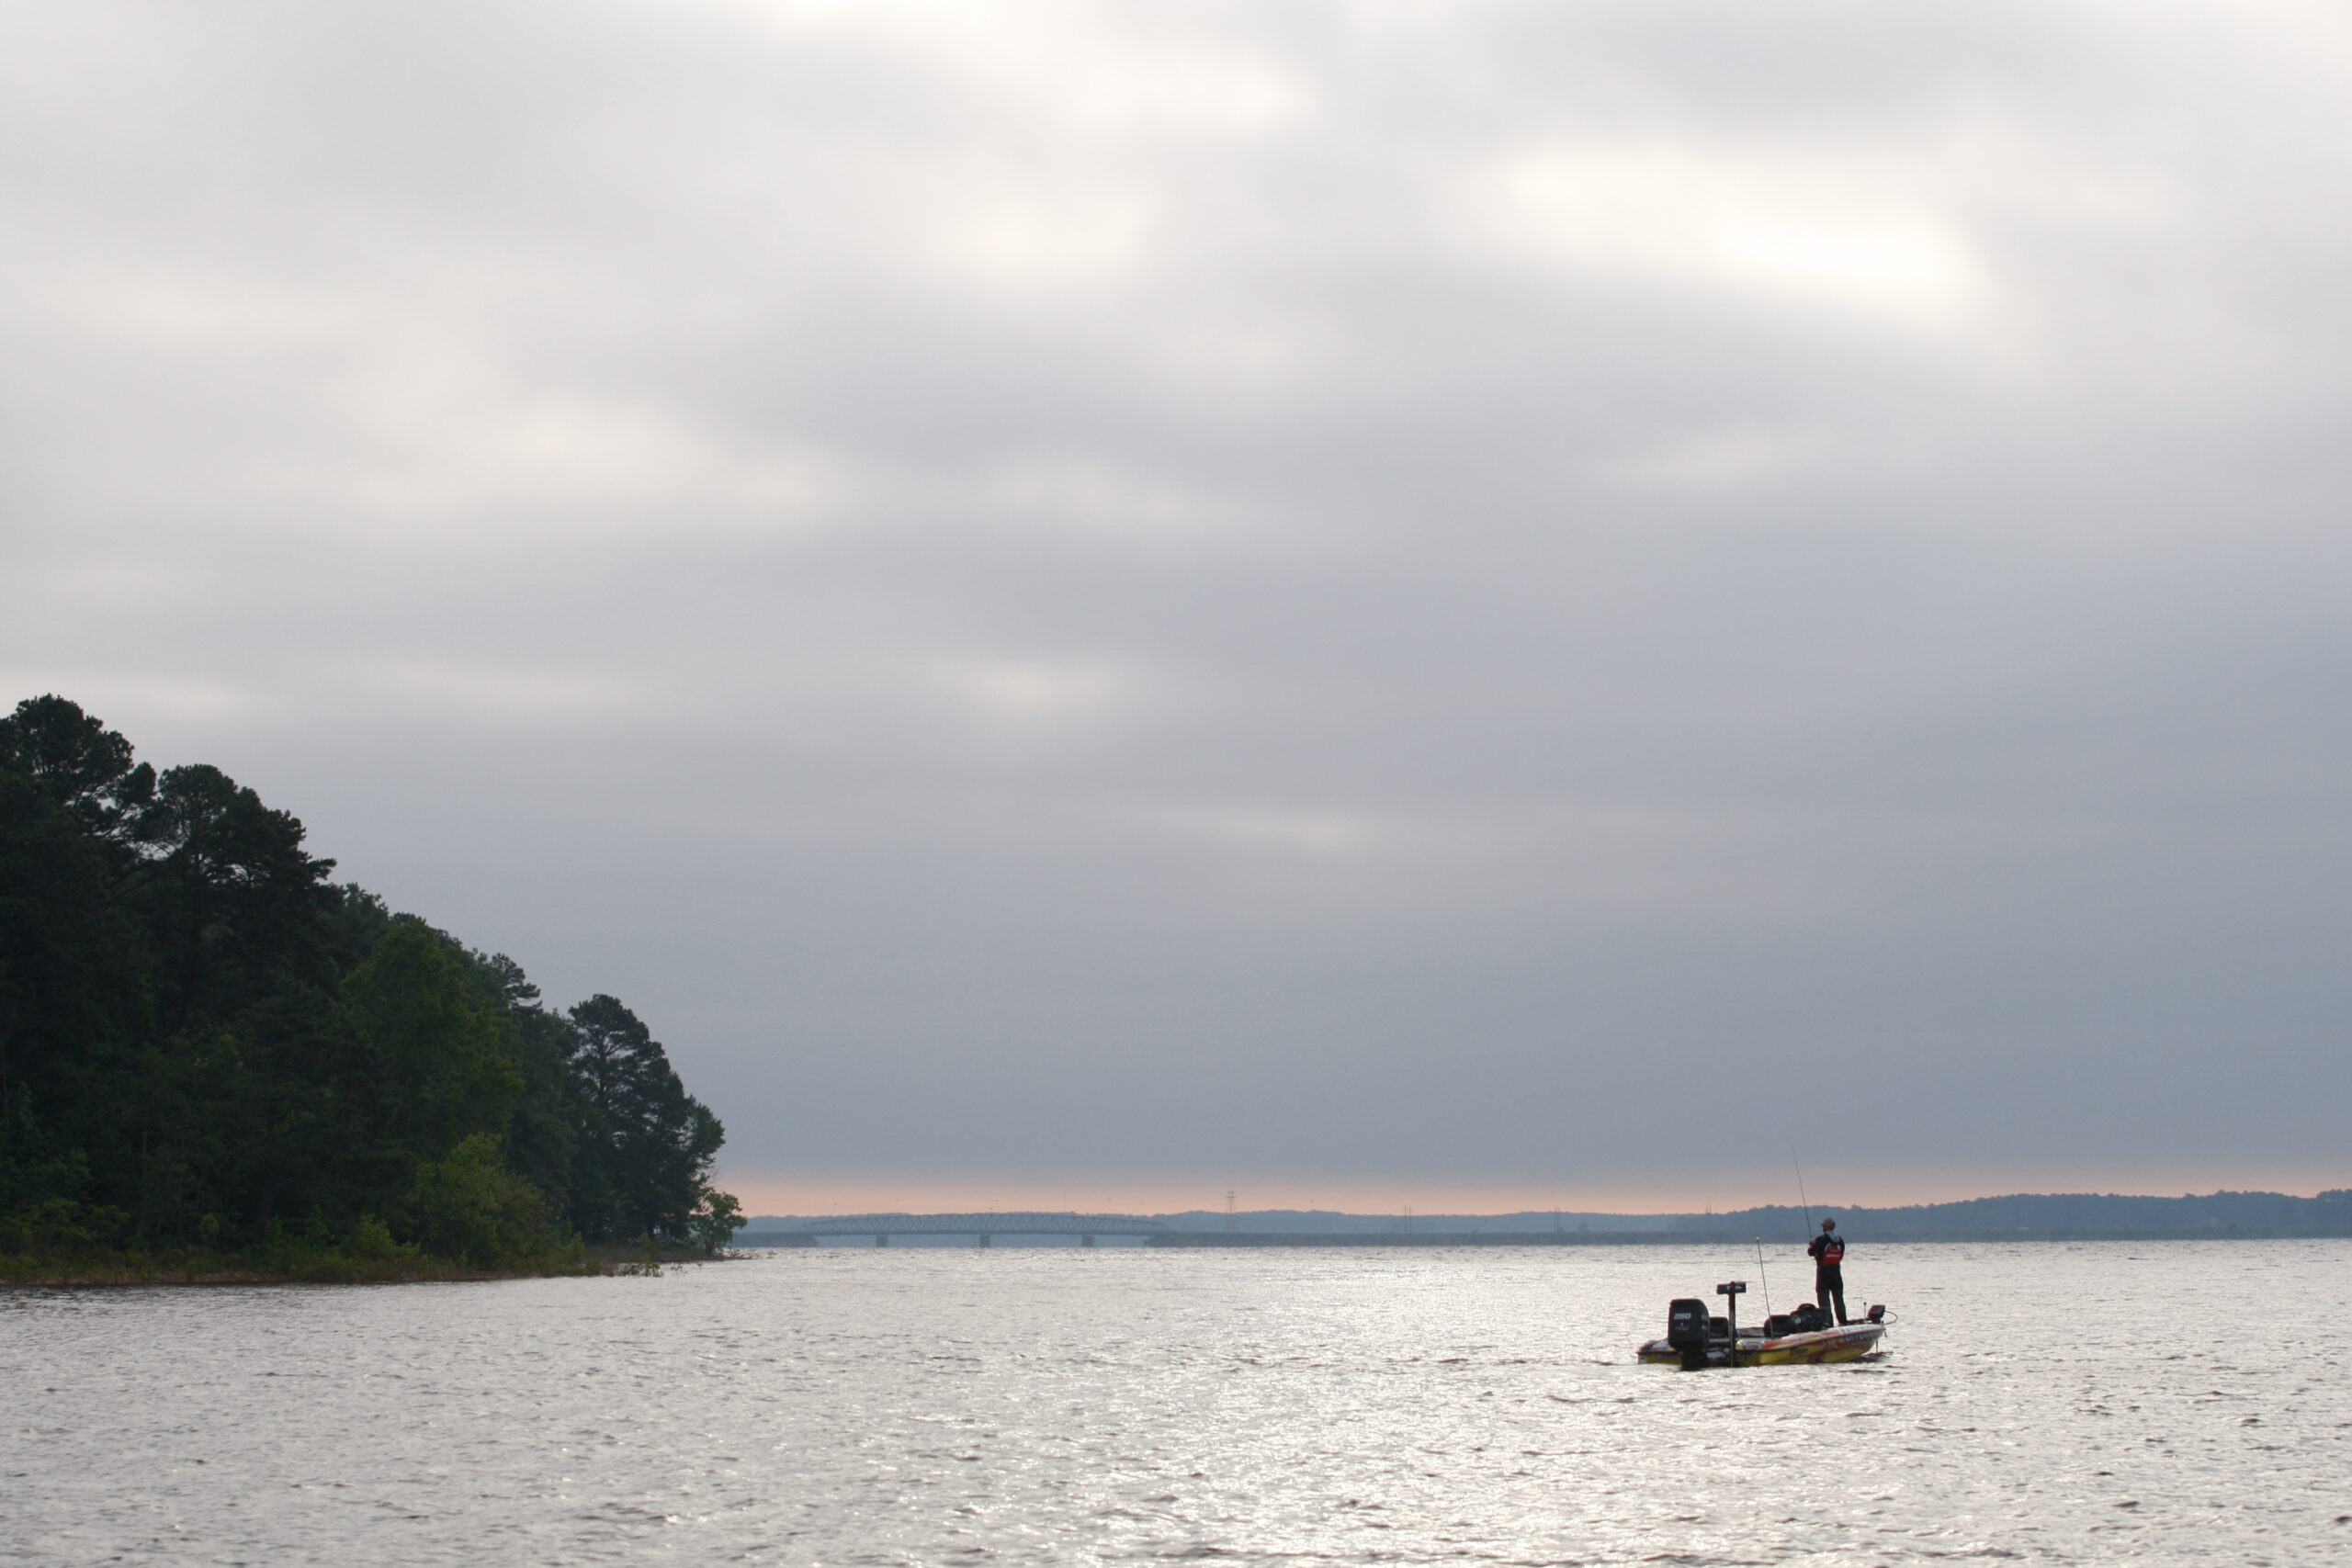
{"type": "Point", "coordinates": [314, 1263]}
{"type": "Point", "coordinates": [217, 1064]}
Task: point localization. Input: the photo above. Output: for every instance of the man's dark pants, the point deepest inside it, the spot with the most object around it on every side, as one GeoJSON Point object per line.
{"type": "Point", "coordinates": [1829, 1284]}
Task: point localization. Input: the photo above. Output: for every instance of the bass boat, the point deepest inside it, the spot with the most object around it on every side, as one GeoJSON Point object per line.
{"type": "Point", "coordinates": [1696, 1339]}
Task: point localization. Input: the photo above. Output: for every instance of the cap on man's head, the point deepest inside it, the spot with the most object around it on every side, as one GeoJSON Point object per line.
{"type": "Point", "coordinates": [1829, 1224]}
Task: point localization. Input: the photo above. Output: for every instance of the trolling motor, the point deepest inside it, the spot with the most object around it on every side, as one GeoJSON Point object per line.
{"type": "Point", "coordinates": [1692, 1332]}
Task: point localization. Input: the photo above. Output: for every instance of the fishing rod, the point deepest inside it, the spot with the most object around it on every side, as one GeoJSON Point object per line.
{"type": "Point", "coordinates": [1762, 1277]}
{"type": "Point", "coordinates": [1801, 1197]}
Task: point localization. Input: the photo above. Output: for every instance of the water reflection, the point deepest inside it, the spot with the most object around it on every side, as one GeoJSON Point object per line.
{"type": "Point", "coordinates": [2050, 1404]}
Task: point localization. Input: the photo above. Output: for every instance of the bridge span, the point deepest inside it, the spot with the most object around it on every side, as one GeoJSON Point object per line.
{"type": "Point", "coordinates": [882, 1227]}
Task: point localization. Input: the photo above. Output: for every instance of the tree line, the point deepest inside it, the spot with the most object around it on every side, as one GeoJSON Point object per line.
{"type": "Point", "coordinates": [207, 1042]}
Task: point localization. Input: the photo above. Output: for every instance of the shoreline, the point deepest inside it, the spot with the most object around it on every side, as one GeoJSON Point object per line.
{"type": "Point", "coordinates": [55, 1274]}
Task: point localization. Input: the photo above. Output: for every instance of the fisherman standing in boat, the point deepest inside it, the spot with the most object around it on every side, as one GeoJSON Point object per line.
{"type": "Point", "coordinates": [1829, 1255]}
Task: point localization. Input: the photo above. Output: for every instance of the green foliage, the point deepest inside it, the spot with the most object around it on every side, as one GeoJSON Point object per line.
{"type": "Point", "coordinates": [232, 903]}
{"type": "Point", "coordinates": [78, 762]}
{"type": "Point", "coordinates": [715, 1221]}
{"type": "Point", "coordinates": [442, 1074]}
{"type": "Point", "coordinates": [657, 1141]}
{"type": "Point", "coordinates": [72, 966]}
{"type": "Point", "coordinates": [206, 1045]}
{"type": "Point", "coordinates": [59, 1225]}
{"type": "Point", "coordinates": [471, 1206]}
{"type": "Point", "coordinates": [371, 1239]}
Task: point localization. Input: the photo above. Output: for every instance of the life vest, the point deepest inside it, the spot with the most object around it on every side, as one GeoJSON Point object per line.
{"type": "Point", "coordinates": [1833, 1251]}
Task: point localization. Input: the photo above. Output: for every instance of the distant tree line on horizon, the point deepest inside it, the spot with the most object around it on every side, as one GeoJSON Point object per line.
{"type": "Point", "coordinates": [2028, 1215]}
{"type": "Point", "coordinates": [2065, 1213]}
{"type": "Point", "coordinates": [205, 1042]}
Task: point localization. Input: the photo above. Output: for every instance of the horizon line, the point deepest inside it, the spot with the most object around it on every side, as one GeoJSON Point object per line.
{"type": "Point", "coordinates": [1823, 1209]}
{"type": "Point", "coordinates": [787, 1190]}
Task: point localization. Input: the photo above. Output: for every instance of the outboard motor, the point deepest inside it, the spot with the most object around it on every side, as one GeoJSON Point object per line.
{"type": "Point", "coordinates": [1687, 1330]}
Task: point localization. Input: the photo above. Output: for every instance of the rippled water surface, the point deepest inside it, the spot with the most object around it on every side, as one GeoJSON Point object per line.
{"type": "Point", "coordinates": [2171, 1402]}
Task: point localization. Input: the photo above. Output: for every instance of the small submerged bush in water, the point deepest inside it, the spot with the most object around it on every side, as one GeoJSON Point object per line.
{"type": "Point", "coordinates": [648, 1263]}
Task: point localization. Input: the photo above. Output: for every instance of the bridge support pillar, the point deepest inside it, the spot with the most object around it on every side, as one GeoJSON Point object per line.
{"type": "Point", "coordinates": [881, 1239]}
{"type": "Point", "coordinates": [1086, 1241]}
{"type": "Point", "coordinates": [984, 1241]}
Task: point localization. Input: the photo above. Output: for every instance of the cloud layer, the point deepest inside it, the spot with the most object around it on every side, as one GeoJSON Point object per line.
{"type": "Point", "coordinates": [1529, 598]}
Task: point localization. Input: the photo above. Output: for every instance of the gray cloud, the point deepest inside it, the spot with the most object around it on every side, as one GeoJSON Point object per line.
{"type": "Point", "coordinates": [1524, 597]}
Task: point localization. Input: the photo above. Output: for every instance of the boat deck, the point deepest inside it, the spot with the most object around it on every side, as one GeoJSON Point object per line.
{"type": "Point", "coordinates": [1849, 1342]}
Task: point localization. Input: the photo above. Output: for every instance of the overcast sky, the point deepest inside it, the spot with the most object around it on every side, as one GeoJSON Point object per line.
{"type": "Point", "coordinates": [1453, 603]}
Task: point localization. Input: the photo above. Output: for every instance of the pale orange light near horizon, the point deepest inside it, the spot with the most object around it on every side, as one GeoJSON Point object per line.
{"type": "Point", "coordinates": [790, 1194]}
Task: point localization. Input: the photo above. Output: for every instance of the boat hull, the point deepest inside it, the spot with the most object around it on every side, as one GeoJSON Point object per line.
{"type": "Point", "coordinates": [1850, 1342]}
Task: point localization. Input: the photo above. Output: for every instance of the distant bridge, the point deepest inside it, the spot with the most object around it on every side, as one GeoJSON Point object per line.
{"type": "Point", "coordinates": [882, 1227]}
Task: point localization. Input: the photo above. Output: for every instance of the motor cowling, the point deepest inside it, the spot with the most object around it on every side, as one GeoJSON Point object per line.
{"type": "Point", "coordinates": [1688, 1331]}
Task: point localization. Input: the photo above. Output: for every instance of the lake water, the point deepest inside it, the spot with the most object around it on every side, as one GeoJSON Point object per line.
{"type": "Point", "coordinates": [2157, 1402]}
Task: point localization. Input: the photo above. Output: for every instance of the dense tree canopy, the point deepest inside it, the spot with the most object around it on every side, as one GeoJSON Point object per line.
{"type": "Point", "coordinates": [204, 1039]}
